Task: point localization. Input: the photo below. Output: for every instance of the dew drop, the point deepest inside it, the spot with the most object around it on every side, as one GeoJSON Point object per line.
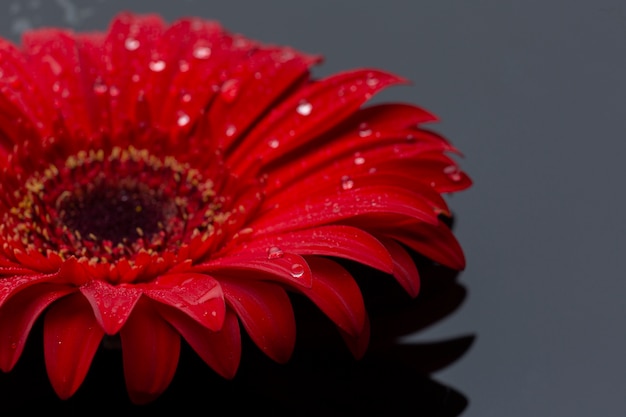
{"type": "Point", "coordinates": [114, 91]}
{"type": "Point", "coordinates": [372, 82]}
{"type": "Point", "coordinates": [346, 182]}
{"type": "Point", "coordinates": [358, 159]}
{"type": "Point", "coordinates": [230, 90]}
{"type": "Point", "coordinates": [273, 143]}
{"type": "Point", "coordinates": [185, 98]}
{"type": "Point", "coordinates": [157, 66]}
{"type": "Point", "coordinates": [183, 66]}
{"type": "Point", "coordinates": [304, 108]}
{"type": "Point", "coordinates": [231, 130]}
{"type": "Point", "coordinates": [297, 270]}
{"type": "Point", "coordinates": [131, 44]}
{"type": "Point", "coordinates": [183, 119]}
{"type": "Point", "coordinates": [100, 88]}
{"type": "Point", "coordinates": [274, 252]}
{"type": "Point", "coordinates": [364, 130]}
{"type": "Point", "coordinates": [202, 52]}
{"type": "Point", "coordinates": [453, 172]}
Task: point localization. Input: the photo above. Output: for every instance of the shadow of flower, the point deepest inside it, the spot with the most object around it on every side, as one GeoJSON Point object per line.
{"type": "Point", "coordinates": [322, 378]}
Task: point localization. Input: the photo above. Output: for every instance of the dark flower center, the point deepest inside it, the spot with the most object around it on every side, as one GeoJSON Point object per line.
{"type": "Point", "coordinates": [105, 206]}
{"type": "Point", "coordinates": [119, 213]}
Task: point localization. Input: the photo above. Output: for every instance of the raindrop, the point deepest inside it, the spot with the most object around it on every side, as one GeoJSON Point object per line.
{"type": "Point", "coordinates": [364, 130]}
{"type": "Point", "coordinates": [157, 66]}
{"type": "Point", "coordinates": [372, 82]}
{"type": "Point", "coordinates": [185, 98]}
{"type": "Point", "coordinates": [231, 130]}
{"type": "Point", "coordinates": [346, 182]}
{"type": "Point", "coordinates": [202, 52]}
{"type": "Point", "coordinates": [114, 91]}
{"type": "Point", "coordinates": [304, 108]}
{"type": "Point", "coordinates": [274, 252]}
{"type": "Point", "coordinates": [358, 159]}
{"type": "Point", "coordinates": [99, 88]}
{"type": "Point", "coordinates": [297, 270]}
{"type": "Point", "coordinates": [273, 143]}
{"type": "Point", "coordinates": [453, 172]}
{"type": "Point", "coordinates": [183, 65]}
{"type": "Point", "coordinates": [131, 44]}
{"type": "Point", "coordinates": [230, 90]}
{"type": "Point", "coordinates": [183, 119]}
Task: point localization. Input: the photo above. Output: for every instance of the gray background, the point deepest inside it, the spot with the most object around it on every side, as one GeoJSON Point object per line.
{"type": "Point", "coordinates": [533, 93]}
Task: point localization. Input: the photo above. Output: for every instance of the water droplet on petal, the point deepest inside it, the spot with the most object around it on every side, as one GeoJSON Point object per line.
{"type": "Point", "coordinates": [297, 270]}
{"type": "Point", "coordinates": [231, 130]}
{"type": "Point", "coordinates": [100, 88]}
{"type": "Point", "coordinates": [202, 52]}
{"type": "Point", "coordinates": [273, 143]}
{"type": "Point", "coordinates": [183, 119]}
{"type": "Point", "coordinates": [114, 91]}
{"type": "Point", "coordinates": [304, 108]}
{"type": "Point", "coordinates": [453, 172]}
{"type": "Point", "coordinates": [185, 98]}
{"type": "Point", "coordinates": [274, 252]}
{"type": "Point", "coordinates": [13, 345]}
{"type": "Point", "coordinates": [358, 159]}
{"type": "Point", "coordinates": [372, 82]}
{"type": "Point", "coordinates": [346, 182]}
{"type": "Point", "coordinates": [230, 90]}
{"type": "Point", "coordinates": [183, 66]}
{"type": "Point", "coordinates": [157, 66]}
{"type": "Point", "coordinates": [364, 130]}
{"type": "Point", "coordinates": [131, 44]}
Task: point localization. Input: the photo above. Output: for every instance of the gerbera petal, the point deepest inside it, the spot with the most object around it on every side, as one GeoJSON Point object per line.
{"type": "Point", "coordinates": [127, 56]}
{"type": "Point", "coordinates": [220, 350]}
{"type": "Point", "coordinates": [246, 95]}
{"type": "Point", "coordinates": [19, 313]}
{"type": "Point", "coordinates": [289, 268]}
{"type": "Point", "coordinates": [53, 56]}
{"type": "Point", "coordinates": [333, 240]}
{"type": "Point", "coordinates": [9, 286]}
{"type": "Point", "coordinates": [404, 269]}
{"type": "Point", "coordinates": [150, 351]}
{"type": "Point", "coordinates": [335, 292]}
{"type": "Point", "coordinates": [112, 304]}
{"type": "Point", "coordinates": [71, 338]}
{"type": "Point", "coordinates": [197, 295]}
{"type": "Point", "coordinates": [309, 113]}
{"type": "Point", "coordinates": [358, 343]}
{"type": "Point", "coordinates": [266, 313]}
{"type": "Point", "coordinates": [321, 209]}
{"type": "Point", "coordinates": [436, 242]}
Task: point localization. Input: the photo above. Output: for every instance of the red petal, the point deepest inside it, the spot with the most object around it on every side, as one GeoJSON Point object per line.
{"type": "Point", "coordinates": [126, 64]}
{"type": "Point", "coordinates": [150, 351]}
{"type": "Point", "coordinates": [358, 343]}
{"type": "Point", "coordinates": [308, 113]}
{"type": "Point", "coordinates": [335, 240]}
{"type": "Point", "coordinates": [53, 57]}
{"type": "Point", "coordinates": [335, 292]}
{"type": "Point", "coordinates": [290, 269]}
{"type": "Point", "coordinates": [10, 286]}
{"type": "Point", "coordinates": [197, 295]}
{"type": "Point", "coordinates": [220, 350]}
{"type": "Point", "coordinates": [436, 242]}
{"type": "Point", "coordinates": [71, 338]}
{"type": "Point", "coordinates": [18, 315]}
{"type": "Point", "coordinates": [266, 313]}
{"type": "Point", "coordinates": [246, 96]}
{"type": "Point", "coordinates": [404, 271]}
{"type": "Point", "coordinates": [111, 304]}
{"type": "Point", "coordinates": [321, 209]}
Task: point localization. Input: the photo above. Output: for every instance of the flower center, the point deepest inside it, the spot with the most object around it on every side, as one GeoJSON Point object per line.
{"type": "Point", "coordinates": [119, 213]}
{"type": "Point", "coordinates": [105, 206]}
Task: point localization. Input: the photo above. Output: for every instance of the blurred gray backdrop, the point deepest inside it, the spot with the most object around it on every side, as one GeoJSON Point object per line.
{"type": "Point", "coordinates": [533, 92]}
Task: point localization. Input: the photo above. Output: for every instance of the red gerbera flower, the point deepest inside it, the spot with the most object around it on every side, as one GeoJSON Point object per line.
{"type": "Point", "coordinates": [165, 181]}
